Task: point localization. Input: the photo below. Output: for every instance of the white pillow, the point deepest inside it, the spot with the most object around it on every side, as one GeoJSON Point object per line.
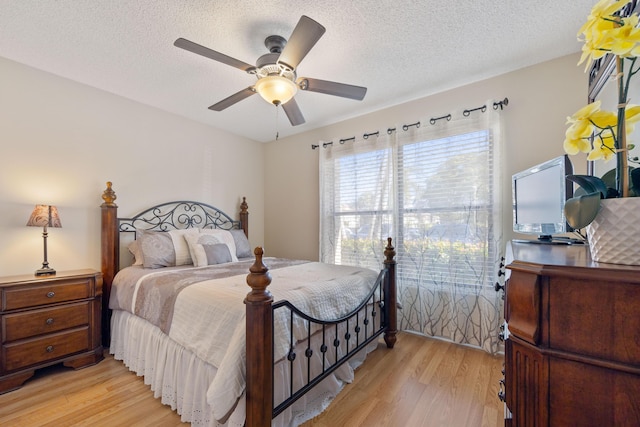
{"type": "Point", "coordinates": [224, 236]}
{"type": "Point", "coordinates": [196, 246]}
{"type": "Point", "coordinates": [183, 255]}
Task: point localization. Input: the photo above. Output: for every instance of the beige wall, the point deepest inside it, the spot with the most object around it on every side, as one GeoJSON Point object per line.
{"type": "Point", "coordinates": [61, 141]}
{"type": "Point", "coordinates": [540, 99]}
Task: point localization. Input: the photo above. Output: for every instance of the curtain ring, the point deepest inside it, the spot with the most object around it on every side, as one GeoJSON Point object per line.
{"type": "Point", "coordinates": [367, 135]}
{"type": "Point", "coordinates": [434, 120]}
{"type": "Point", "coordinates": [406, 127]}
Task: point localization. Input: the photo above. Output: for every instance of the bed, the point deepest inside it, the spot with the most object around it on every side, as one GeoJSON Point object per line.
{"type": "Point", "coordinates": [219, 352]}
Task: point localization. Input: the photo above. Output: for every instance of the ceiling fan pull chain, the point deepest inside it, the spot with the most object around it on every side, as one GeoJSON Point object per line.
{"type": "Point", "coordinates": [277, 116]}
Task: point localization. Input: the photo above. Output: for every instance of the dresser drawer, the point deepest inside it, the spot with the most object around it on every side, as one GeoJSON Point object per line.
{"type": "Point", "coordinates": [44, 321]}
{"type": "Point", "coordinates": [49, 347]}
{"type": "Point", "coordinates": [46, 293]}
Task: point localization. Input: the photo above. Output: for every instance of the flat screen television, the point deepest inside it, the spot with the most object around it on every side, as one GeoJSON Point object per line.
{"type": "Point", "coordinates": [539, 194]}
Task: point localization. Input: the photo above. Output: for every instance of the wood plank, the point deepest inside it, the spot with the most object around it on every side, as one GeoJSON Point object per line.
{"type": "Point", "coordinates": [421, 382]}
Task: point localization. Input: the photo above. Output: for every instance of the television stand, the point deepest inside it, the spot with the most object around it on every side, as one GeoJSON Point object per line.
{"type": "Point", "coordinates": [571, 357]}
{"type": "Point", "coordinates": [553, 240]}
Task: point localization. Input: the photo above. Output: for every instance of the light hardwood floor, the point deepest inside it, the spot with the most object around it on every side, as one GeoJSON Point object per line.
{"type": "Point", "coordinates": [421, 382]}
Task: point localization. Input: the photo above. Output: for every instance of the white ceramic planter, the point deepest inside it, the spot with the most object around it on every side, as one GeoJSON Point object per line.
{"type": "Point", "coordinates": [614, 235]}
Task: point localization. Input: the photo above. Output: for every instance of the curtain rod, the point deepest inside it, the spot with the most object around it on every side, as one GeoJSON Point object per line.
{"type": "Point", "coordinates": [433, 121]}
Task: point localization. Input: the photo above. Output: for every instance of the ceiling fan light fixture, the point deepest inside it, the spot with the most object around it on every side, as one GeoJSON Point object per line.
{"type": "Point", "coordinates": [276, 89]}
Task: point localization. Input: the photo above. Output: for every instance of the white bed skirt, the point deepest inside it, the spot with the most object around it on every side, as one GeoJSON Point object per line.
{"type": "Point", "coordinates": [181, 380]}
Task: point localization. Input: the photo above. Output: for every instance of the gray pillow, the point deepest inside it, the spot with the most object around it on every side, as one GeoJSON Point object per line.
{"type": "Point", "coordinates": [217, 253]}
{"type": "Point", "coordinates": [243, 248]}
{"type": "Point", "coordinates": [157, 249]}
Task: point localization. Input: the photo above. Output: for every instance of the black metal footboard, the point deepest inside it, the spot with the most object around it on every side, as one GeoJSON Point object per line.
{"type": "Point", "coordinates": [335, 342]}
{"type": "Point", "coordinates": [345, 337]}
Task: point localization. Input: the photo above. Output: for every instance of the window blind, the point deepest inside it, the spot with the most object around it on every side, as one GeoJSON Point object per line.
{"type": "Point", "coordinates": [445, 205]}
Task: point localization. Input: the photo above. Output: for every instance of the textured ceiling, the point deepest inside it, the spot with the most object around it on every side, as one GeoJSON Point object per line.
{"type": "Point", "coordinates": [399, 49]}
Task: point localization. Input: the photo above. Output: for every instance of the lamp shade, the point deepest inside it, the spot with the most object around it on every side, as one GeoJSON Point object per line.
{"type": "Point", "coordinates": [276, 89]}
{"type": "Point", "coordinates": [44, 216]}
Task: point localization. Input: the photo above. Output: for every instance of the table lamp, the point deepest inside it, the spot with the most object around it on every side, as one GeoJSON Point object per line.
{"type": "Point", "coordinates": [45, 216]}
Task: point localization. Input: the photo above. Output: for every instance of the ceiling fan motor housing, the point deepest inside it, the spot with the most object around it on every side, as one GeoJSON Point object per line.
{"type": "Point", "coordinates": [267, 64]}
{"type": "Point", "coordinates": [275, 44]}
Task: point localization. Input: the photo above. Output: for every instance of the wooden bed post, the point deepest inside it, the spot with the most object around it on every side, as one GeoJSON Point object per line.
{"type": "Point", "coordinates": [259, 343]}
{"type": "Point", "coordinates": [391, 303]}
{"type": "Point", "coordinates": [244, 216]}
{"type": "Point", "coordinates": [110, 247]}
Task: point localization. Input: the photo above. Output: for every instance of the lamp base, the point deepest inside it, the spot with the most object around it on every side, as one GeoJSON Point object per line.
{"type": "Point", "coordinates": [45, 272]}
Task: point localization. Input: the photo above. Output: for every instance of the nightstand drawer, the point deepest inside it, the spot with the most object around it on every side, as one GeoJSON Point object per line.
{"type": "Point", "coordinates": [50, 347]}
{"type": "Point", "coordinates": [44, 321]}
{"type": "Point", "coordinates": [46, 293]}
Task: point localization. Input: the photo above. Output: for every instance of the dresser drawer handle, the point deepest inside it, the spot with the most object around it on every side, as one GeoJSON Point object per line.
{"type": "Point", "coordinates": [49, 321]}
{"type": "Point", "coordinates": [49, 349]}
{"type": "Point", "coordinates": [51, 294]}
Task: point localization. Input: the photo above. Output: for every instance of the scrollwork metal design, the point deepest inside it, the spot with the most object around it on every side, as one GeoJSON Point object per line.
{"type": "Point", "coordinates": [178, 215]}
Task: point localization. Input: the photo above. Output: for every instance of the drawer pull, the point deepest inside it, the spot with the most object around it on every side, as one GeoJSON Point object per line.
{"type": "Point", "coordinates": [51, 294]}
{"type": "Point", "coordinates": [49, 321]}
{"type": "Point", "coordinates": [49, 349]}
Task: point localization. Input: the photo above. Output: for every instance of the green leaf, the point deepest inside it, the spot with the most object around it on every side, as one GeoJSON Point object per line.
{"type": "Point", "coordinates": [634, 177]}
{"type": "Point", "coordinates": [609, 179]}
{"type": "Point", "coordinates": [590, 184]}
{"type": "Point", "coordinates": [579, 192]}
{"type": "Point", "coordinates": [580, 211]}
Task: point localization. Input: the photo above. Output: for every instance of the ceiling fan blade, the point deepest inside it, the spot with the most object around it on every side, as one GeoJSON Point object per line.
{"type": "Point", "coordinates": [212, 54]}
{"type": "Point", "coordinates": [293, 112]}
{"type": "Point", "coordinates": [236, 97]}
{"type": "Point", "coordinates": [332, 88]}
{"type": "Point", "coordinates": [305, 35]}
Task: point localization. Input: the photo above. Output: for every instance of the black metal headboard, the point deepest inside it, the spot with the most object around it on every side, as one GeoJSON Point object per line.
{"type": "Point", "coordinates": [179, 215]}
{"type": "Point", "coordinates": [176, 215]}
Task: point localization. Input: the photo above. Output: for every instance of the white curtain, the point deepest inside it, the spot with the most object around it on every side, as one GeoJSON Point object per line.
{"type": "Point", "coordinates": [436, 190]}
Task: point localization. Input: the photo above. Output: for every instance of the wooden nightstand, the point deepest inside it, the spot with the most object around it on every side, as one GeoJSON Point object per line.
{"type": "Point", "coordinates": [47, 320]}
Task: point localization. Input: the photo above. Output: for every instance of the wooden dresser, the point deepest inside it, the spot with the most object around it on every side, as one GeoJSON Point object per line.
{"type": "Point", "coordinates": [47, 320]}
{"type": "Point", "coordinates": [573, 354]}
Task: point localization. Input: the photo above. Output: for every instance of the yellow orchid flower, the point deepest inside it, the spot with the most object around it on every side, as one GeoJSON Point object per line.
{"type": "Point", "coordinates": [593, 49]}
{"type": "Point", "coordinates": [580, 129]}
{"type": "Point", "coordinates": [585, 112]}
{"type": "Point", "coordinates": [599, 32]}
{"type": "Point", "coordinates": [631, 117]}
{"type": "Point", "coordinates": [632, 113]}
{"type": "Point", "coordinates": [605, 150]}
{"type": "Point", "coordinates": [624, 39]}
{"type": "Point", "coordinates": [604, 119]}
{"type": "Point", "coordinates": [576, 145]}
{"type": "Point", "coordinates": [602, 9]}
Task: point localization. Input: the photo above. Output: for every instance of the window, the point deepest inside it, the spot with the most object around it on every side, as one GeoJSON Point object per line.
{"type": "Point", "coordinates": [436, 192]}
{"type": "Point", "coordinates": [362, 211]}
{"type": "Point", "coordinates": [445, 209]}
